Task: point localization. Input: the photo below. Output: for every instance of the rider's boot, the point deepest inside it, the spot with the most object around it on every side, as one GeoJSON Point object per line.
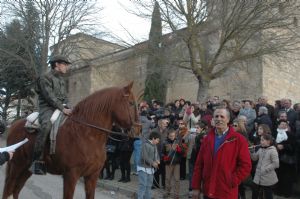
{"type": "Point", "coordinates": [38, 166]}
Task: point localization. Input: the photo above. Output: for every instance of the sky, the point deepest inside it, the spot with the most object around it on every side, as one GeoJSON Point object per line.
{"type": "Point", "coordinates": [116, 19]}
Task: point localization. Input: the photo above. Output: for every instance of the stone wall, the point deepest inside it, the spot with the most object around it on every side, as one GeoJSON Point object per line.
{"type": "Point", "coordinates": [247, 80]}
{"type": "Point", "coordinates": [79, 84]}
{"type": "Point", "coordinates": [281, 78]}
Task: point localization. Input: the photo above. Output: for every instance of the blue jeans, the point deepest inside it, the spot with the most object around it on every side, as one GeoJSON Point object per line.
{"type": "Point", "coordinates": [145, 183]}
{"type": "Point", "coordinates": [137, 145]}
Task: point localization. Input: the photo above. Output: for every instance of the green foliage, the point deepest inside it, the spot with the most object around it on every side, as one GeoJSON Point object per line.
{"type": "Point", "coordinates": [16, 77]}
{"type": "Point", "coordinates": [155, 84]}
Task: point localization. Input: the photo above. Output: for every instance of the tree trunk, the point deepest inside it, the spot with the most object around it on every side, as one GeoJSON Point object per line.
{"type": "Point", "coordinates": [6, 105]}
{"type": "Point", "coordinates": [19, 107]}
{"type": "Point", "coordinates": [202, 90]}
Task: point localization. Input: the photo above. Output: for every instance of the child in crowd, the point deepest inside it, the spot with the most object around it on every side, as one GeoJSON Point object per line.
{"type": "Point", "coordinates": [261, 130]}
{"type": "Point", "coordinates": [149, 161]}
{"type": "Point", "coordinates": [265, 175]}
{"type": "Point", "coordinates": [172, 152]}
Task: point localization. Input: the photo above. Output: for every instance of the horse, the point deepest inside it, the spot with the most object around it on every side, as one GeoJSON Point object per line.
{"type": "Point", "coordinates": [80, 144]}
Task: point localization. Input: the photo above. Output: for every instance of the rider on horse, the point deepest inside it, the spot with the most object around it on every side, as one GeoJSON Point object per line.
{"type": "Point", "coordinates": [52, 95]}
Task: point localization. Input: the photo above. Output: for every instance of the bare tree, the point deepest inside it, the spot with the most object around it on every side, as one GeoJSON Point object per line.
{"type": "Point", "coordinates": [58, 19]}
{"type": "Point", "coordinates": [217, 34]}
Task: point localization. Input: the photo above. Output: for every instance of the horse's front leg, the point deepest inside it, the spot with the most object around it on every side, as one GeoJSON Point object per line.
{"type": "Point", "coordinates": [90, 184]}
{"type": "Point", "coordinates": [70, 179]}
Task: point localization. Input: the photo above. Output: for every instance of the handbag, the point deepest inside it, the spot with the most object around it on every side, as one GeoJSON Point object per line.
{"type": "Point", "coordinates": [110, 148]}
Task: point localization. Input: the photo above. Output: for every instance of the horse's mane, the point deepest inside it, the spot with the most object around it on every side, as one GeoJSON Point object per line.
{"type": "Point", "coordinates": [99, 102]}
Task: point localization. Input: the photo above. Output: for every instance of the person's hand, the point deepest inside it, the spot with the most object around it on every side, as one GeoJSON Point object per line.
{"type": "Point", "coordinates": [155, 165]}
{"type": "Point", "coordinates": [67, 111]}
{"type": "Point", "coordinates": [280, 147]}
{"type": "Point", "coordinates": [195, 194]}
{"type": "Point", "coordinates": [174, 146]}
{"type": "Point", "coordinates": [11, 154]}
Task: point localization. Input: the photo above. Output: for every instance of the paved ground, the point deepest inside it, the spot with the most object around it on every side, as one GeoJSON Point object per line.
{"type": "Point", "coordinates": [130, 189]}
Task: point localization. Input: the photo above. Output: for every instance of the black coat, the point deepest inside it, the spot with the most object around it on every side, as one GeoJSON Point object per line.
{"type": "Point", "coordinates": [264, 119]}
{"type": "Point", "coordinates": [4, 157]}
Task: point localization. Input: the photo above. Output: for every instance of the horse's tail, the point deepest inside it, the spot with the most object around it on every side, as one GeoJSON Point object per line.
{"type": "Point", "coordinates": [17, 168]}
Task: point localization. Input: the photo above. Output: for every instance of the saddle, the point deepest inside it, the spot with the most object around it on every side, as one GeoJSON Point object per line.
{"type": "Point", "coordinates": [57, 119]}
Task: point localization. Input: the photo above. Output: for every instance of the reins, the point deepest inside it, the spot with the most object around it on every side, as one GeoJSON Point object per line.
{"type": "Point", "coordinates": [103, 129]}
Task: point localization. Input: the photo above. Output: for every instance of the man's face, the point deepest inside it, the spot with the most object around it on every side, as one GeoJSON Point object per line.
{"type": "Point", "coordinates": [286, 103]}
{"type": "Point", "coordinates": [247, 104]}
{"type": "Point", "coordinates": [236, 107]}
{"type": "Point", "coordinates": [155, 141]}
{"type": "Point", "coordinates": [215, 100]}
{"type": "Point", "coordinates": [172, 135]}
{"type": "Point", "coordinates": [221, 119]}
{"type": "Point", "coordinates": [62, 67]}
{"type": "Point", "coordinates": [181, 124]}
{"type": "Point", "coordinates": [283, 116]}
{"type": "Point", "coordinates": [164, 124]}
{"type": "Point", "coordinates": [263, 100]}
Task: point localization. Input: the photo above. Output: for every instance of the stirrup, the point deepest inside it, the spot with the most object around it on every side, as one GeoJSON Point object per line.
{"type": "Point", "coordinates": [38, 167]}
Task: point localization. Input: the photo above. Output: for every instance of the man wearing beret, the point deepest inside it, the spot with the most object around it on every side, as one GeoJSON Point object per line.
{"type": "Point", "coordinates": [51, 95]}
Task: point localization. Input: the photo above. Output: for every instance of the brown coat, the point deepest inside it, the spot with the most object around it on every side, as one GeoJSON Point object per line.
{"type": "Point", "coordinates": [268, 161]}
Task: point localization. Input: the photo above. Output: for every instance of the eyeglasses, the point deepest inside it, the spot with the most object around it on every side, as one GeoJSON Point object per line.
{"type": "Point", "coordinates": [181, 123]}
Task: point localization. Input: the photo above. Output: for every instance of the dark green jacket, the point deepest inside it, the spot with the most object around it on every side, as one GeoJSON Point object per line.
{"type": "Point", "coordinates": [52, 91]}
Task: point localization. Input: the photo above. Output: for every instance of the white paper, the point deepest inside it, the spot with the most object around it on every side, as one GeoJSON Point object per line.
{"type": "Point", "coordinates": [14, 146]}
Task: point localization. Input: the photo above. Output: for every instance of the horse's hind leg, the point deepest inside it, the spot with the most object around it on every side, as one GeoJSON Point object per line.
{"type": "Point", "coordinates": [90, 183]}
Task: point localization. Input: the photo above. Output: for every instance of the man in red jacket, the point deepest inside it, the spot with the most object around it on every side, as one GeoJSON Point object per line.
{"type": "Point", "coordinates": [223, 161]}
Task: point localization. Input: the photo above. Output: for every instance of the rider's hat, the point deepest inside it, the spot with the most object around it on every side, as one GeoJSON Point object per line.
{"type": "Point", "coordinates": [59, 58]}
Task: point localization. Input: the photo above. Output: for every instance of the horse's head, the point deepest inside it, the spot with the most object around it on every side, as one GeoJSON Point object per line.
{"type": "Point", "coordinates": [110, 105]}
{"type": "Point", "coordinates": [125, 112]}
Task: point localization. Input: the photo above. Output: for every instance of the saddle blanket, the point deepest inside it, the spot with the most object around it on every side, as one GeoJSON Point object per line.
{"type": "Point", "coordinates": [57, 119]}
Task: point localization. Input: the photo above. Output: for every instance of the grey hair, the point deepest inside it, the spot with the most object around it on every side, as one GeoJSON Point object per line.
{"type": "Point", "coordinates": [222, 108]}
{"type": "Point", "coordinates": [263, 109]}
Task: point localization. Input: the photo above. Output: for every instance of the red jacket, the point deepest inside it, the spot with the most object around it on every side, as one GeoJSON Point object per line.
{"type": "Point", "coordinates": [219, 175]}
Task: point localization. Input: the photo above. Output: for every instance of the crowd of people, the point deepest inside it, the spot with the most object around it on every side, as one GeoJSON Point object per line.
{"type": "Point", "coordinates": [268, 140]}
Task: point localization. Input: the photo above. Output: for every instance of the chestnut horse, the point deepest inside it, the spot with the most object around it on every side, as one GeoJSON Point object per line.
{"type": "Point", "coordinates": [80, 145]}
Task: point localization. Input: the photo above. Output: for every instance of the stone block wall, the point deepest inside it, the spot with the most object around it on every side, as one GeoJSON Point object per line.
{"type": "Point", "coordinates": [248, 80]}
{"type": "Point", "coordinates": [281, 78]}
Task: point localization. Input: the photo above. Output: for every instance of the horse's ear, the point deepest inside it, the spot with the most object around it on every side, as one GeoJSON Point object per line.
{"type": "Point", "coordinates": [127, 89]}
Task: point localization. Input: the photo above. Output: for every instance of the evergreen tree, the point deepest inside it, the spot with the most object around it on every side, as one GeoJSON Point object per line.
{"type": "Point", "coordinates": [16, 78]}
{"type": "Point", "coordinates": [33, 36]}
{"type": "Point", "coordinates": [155, 84]}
